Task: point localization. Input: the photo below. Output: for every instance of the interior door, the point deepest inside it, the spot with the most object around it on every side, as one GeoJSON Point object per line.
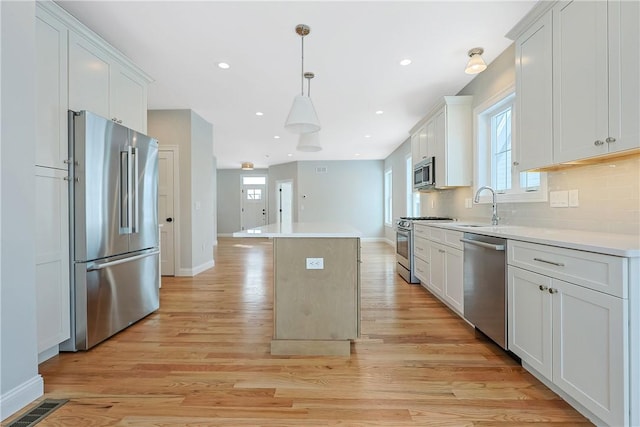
{"type": "Point", "coordinates": [166, 214]}
{"type": "Point", "coordinates": [254, 201]}
{"type": "Point", "coordinates": [285, 202]}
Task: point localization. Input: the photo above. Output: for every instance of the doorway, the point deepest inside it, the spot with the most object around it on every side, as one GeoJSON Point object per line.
{"type": "Point", "coordinates": [168, 193]}
{"type": "Point", "coordinates": [284, 202]}
{"type": "Point", "coordinates": [254, 201]}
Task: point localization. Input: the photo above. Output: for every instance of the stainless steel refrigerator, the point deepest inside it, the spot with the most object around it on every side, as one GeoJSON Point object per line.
{"type": "Point", "coordinates": [113, 188]}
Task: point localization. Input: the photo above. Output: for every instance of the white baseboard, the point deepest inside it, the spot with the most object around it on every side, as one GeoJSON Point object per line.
{"type": "Point", "coordinates": [190, 272]}
{"type": "Point", "coordinates": [48, 353]}
{"type": "Point", "coordinates": [19, 397]}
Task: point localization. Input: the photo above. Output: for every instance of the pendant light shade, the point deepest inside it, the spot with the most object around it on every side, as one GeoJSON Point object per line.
{"type": "Point", "coordinates": [247, 166]}
{"type": "Point", "coordinates": [475, 64]}
{"type": "Point", "coordinates": [309, 142]}
{"type": "Point", "coordinates": [302, 117]}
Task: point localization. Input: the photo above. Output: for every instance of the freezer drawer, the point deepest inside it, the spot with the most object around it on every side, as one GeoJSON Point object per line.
{"type": "Point", "coordinates": [112, 294]}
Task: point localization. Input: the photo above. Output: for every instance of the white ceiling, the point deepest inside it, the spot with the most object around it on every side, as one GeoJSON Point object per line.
{"type": "Point", "coordinates": [354, 49]}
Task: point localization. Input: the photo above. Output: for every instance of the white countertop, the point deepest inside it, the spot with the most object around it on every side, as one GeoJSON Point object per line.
{"type": "Point", "coordinates": [301, 229]}
{"type": "Point", "coordinates": [605, 243]}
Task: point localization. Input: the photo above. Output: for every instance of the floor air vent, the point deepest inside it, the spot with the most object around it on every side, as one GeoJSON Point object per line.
{"type": "Point", "coordinates": [38, 413]}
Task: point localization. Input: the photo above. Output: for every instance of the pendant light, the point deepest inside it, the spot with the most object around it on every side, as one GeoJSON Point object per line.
{"type": "Point", "coordinates": [302, 117]}
{"type": "Point", "coordinates": [310, 141]}
{"type": "Point", "coordinates": [475, 64]}
{"type": "Point", "coordinates": [247, 166]}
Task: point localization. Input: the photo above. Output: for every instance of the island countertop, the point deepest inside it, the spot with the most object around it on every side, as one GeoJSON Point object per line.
{"type": "Point", "coordinates": [301, 229]}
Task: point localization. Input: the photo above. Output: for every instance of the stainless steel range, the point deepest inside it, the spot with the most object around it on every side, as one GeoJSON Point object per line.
{"type": "Point", "coordinates": [404, 245]}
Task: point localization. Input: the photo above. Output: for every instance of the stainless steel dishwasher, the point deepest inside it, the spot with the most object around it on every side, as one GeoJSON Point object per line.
{"type": "Point", "coordinates": [485, 285]}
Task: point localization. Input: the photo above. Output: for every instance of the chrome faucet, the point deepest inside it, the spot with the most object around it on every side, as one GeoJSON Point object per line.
{"type": "Point", "coordinates": [494, 217]}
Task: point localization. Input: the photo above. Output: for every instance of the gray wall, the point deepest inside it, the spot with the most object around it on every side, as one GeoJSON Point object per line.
{"type": "Point", "coordinates": [19, 380]}
{"type": "Point", "coordinates": [229, 198]}
{"type": "Point", "coordinates": [397, 162]}
{"type": "Point", "coordinates": [349, 192]}
{"type": "Point", "coordinates": [194, 138]}
{"type": "Point", "coordinates": [202, 191]}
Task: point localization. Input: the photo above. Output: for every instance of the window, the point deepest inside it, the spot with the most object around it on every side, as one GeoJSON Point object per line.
{"type": "Point", "coordinates": [388, 199]}
{"type": "Point", "coordinates": [496, 144]}
{"type": "Point", "coordinates": [254, 194]}
{"type": "Point", "coordinates": [254, 180]}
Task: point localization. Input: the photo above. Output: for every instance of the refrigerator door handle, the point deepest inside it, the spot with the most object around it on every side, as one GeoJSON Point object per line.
{"type": "Point", "coordinates": [126, 202]}
{"type": "Point", "coordinates": [100, 266]}
{"type": "Point", "coordinates": [134, 196]}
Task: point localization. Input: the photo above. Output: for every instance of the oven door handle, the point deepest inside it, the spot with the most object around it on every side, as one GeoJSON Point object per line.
{"type": "Point", "coordinates": [483, 244]}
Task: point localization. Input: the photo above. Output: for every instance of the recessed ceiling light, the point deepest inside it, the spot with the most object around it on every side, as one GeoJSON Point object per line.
{"type": "Point", "coordinates": [276, 136]}
{"type": "Point", "coordinates": [367, 136]}
{"type": "Point", "coordinates": [357, 154]}
{"type": "Point", "coordinates": [289, 154]}
{"type": "Point", "coordinates": [405, 62]}
{"type": "Point", "coordinates": [379, 112]}
{"type": "Point", "coordinates": [223, 65]}
{"type": "Point", "coordinates": [259, 113]}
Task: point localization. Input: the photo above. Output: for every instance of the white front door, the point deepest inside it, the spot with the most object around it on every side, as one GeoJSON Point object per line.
{"type": "Point", "coordinates": [254, 202]}
{"type": "Point", "coordinates": [166, 214]}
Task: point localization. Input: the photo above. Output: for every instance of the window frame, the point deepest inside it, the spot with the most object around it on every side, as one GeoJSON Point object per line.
{"type": "Point", "coordinates": [388, 197]}
{"type": "Point", "coordinates": [483, 151]}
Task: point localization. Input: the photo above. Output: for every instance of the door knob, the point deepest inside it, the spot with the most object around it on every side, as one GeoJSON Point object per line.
{"type": "Point", "coordinates": [169, 219]}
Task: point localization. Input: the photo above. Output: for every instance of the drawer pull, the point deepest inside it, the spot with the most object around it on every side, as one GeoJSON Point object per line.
{"type": "Point", "coordinates": [543, 287]}
{"type": "Point", "coordinates": [559, 264]}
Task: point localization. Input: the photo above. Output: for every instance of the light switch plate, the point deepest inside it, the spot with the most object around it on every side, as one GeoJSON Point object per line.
{"type": "Point", "coordinates": [559, 199]}
{"type": "Point", "coordinates": [467, 203]}
{"type": "Point", "coordinates": [315, 263]}
{"type": "Point", "coordinates": [574, 200]}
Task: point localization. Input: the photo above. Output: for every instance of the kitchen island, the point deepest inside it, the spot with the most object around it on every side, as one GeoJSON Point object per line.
{"type": "Point", "coordinates": [316, 304]}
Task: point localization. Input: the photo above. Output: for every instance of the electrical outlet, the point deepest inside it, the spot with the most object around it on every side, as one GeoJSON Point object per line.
{"type": "Point", "coordinates": [467, 203]}
{"type": "Point", "coordinates": [559, 199]}
{"type": "Point", "coordinates": [574, 200]}
{"type": "Point", "coordinates": [315, 263]}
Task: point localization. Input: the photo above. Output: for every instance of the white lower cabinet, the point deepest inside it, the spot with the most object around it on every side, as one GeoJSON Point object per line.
{"type": "Point", "coordinates": [575, 337]}
{"type": "Point", "coordinates": [438, 262]}
{"type": "Point", "coordinates": [52, 258]}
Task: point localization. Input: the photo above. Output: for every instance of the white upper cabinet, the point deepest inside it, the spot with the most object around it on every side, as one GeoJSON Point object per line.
{"type": "Point", "coordinates": [577, 81]}
{"type": "Point", "coordinates": [581, 80]}
{"type": "Point", "coordinates": [534, 95]}
{"type": "Point", "coordinates": [89, 71]}
{"type": "Point", "coordinates": [99, 83]}
{"type": "Point", "coordinates": [51, 92]}
{"type": "Point", "coordinates": [446, 134]}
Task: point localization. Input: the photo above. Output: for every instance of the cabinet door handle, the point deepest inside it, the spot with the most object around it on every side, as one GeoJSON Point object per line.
{"type": "Point", "coordinates": [553, 291]}
{"type": "Point", "coordinates": [516, 163]}
{"type": "Point", "coordinates": [610, 139]}
{"type": "Point", "coordinates": [598, 143]}
{"type": "Point", "coordinates": [441, 251]}
{"type": "Point", "coordinates": [559, 264]}
{"type": "Point", "coordinates": [543, 287]}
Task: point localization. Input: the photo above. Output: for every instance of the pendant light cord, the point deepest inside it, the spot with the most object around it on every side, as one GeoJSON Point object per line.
{"type": "Point", "coordinates": [302, 71]}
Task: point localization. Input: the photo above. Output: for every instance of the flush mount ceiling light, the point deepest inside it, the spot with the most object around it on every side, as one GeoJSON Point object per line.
{"type": "Point", "coordinates": [309, 142]}
{"type": "Point", "coordinates": [247, 166]}
{"type": "Point", "coordinates": [223, 65]}
{"type": "Point", "coordinates": [405, 62]}
{"type": "Point", "coordinates": [476, 63]}
{"type": "Point", "coordinates": [302, 117]}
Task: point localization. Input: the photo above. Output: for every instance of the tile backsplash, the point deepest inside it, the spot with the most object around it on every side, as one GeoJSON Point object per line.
{"type": "Point", "coordinates": [609, 200]}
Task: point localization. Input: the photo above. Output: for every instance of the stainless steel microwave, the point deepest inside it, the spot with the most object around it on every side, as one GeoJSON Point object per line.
{"type": "Point", "coordinates": [424, 174]}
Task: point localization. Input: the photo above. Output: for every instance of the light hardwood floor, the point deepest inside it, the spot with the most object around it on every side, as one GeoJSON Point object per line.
{"type": "Point", "coordinates": [203, 360]}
